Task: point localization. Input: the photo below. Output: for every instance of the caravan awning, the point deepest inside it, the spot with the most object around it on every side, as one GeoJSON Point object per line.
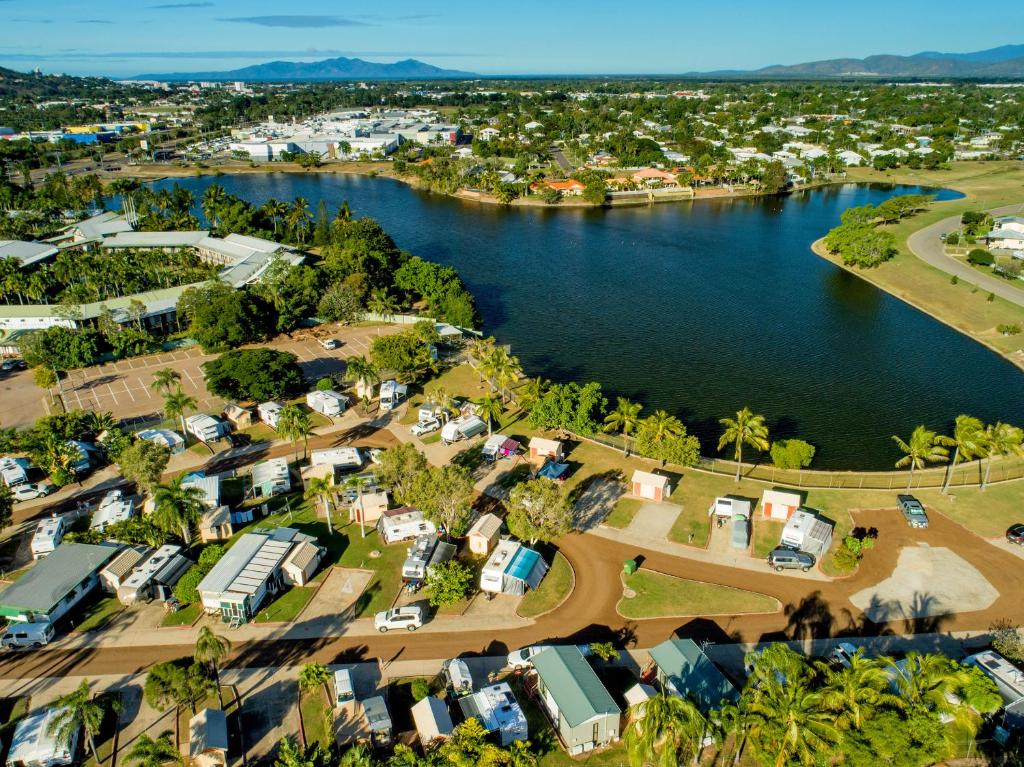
{"type": "Point", "coordinates": [554, 470]}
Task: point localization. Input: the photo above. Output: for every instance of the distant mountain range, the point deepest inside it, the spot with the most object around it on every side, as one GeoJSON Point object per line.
{"type": "Point", "coordinates": [340, 68]}
{"type": "Point", "coordinates": [1005, 61]}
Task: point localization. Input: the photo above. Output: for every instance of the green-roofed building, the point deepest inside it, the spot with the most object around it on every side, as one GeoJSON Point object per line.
{"type": "Point", "coordinates": [685, 671]}
{"type": "Point", "coordinates": [582, 709]}
{"type": "Point", "coordinates": [55, 584]}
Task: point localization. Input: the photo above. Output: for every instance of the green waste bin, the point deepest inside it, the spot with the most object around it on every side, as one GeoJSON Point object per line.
{"type": "Point", "coordinates": [629, 566]}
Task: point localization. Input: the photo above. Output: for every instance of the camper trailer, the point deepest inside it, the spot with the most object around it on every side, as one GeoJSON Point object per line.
{"type": "Point", "coordinates": [48, 535]}
{"type": "Point", "coordinates": [329, 403]}
{"type": "Point", "coordinates": [392, 394]}
{"type": "Point", "coordinates": [270, 413]}
{"type": "Point", "coordinates": [512, 569]}
{"type": "Point", "coordinates": [404, 524]}
{"type": "Point", "coordinates": [426, 552]}
{"type": "Point", "coordinates": [13, 471]}
{"type": "Point", "coordinates": [344, 458]}
{"type": "Point", "coordinates": [205, 428]}
{"type": "Point", "coordinates": [463, 427]}
{"type": "Point", "coordinates": [457, 678]}
{"type": "Point", "coordinates": [113, 508]}
{"type": "Point", "coordinates": [378, 720]}
{"type": "Point", "coordinates": [155, 577]}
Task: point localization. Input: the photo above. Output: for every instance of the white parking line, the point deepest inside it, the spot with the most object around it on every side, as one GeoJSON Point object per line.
{"type": "Point", "coordinates": [128, 390]}
{"type": "Point", "coordinates": [112, 395]}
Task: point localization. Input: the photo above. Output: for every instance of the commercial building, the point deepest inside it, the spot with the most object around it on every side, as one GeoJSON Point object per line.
{"type": "Point", "coordinates": [55, 584]}
{"type": "Point", "coordinates": [27, 253]}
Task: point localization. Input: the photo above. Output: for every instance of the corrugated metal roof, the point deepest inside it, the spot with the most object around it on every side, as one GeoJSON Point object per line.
{"type": "Point", "coordinates": [52, 578]}
{"type": "Point", "coordinates": [692, 673]}
{"type": "Point", "coordinates": [572, 683]}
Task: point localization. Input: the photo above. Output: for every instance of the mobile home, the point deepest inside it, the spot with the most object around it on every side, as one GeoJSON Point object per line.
{"type": "Point", "coordinates": [329, 403]}
{"type": "Point", "coordinates": [463, 427]}
{"type": "Point", "coordinates": [155, 576]}
{"type": "Point", "coordinates": [497, 709]}
{"type": "Point", "coordinates": [205, 428]}
{"type": "Point", "coordinates": [573, 696]}
{"type": "Point", "coordinates": [113, 508]}
{"type": "Point", "coordinates": [404, 524]}
{"type": "Point", "coordinates": [34, 745]}
{"type": "Point", "coordinates": [270, 413]}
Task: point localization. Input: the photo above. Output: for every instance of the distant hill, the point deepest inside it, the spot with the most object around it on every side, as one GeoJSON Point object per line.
{"type": "Point", "coordinates": [1007, 61]}
{"type": "Point", "coordinates": [340, 68]}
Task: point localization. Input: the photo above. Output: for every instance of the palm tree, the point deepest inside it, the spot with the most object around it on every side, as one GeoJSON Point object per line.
{"type": "Point", "coordinates": [662, 425]}
{"type": "Point", "coordinates": [731, 721]}
{"type": "Point", "coordinates": [290, 754]}
{"type": "Point", "coordinates": [98, 423]}
{"type": "Point", "coordinates": [924, 446]}
{"type": "Point", "coordinates": [77, 710]}
{"type": "Point", "coordinates": [299, 218]}
{"type": "Point", "coordinates": [670, 731]}
{"type": "Point", "coordinates": [1002, 439]}
{"type": "Point", "coordinates": [177, 506]}
{"type": "Point", "coordinates": [177, 403]}
{"type": "Point", "coordinates": [211, 649]}
{"type": "Point", "coordinates": [212, 203]}
{"type": "Point", "coordinates": [624, 419]}
{"type": "Point", "coordinates": [970, 440]}
{"type": "Point", "coordinates": [275, 210]}
{"type": "Point", "coordinates": [479, 349]}
{"type": "Point", "coordinates": [530, 392]}
{"type": "Point", "coordinates": [382, 304]}
{"type": "Point", "coordinates": [854, 693]}
{"type": "Point", "coordinates": [322, 488]}
{"type": "Point", "coordinates": [490, 410]}
{"type": "Point", "coordinates": [147, 752]}
{"type": "Point", "coordinates": [312, 675]}
{"type": "Point", "coordinates": [745, 429]}
{"type": "Point", "coordinates": [164, 379]}
{"type": "Point", "coordinates": [363, 372]}
{"type": "Point", "coordinates": [295, 424]}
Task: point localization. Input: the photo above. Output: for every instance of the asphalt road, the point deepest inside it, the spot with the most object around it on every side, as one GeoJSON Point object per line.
{"type": "Point", "coordinates": [809, 610]}
{"type": "Point", "coordinates": [926, 245]}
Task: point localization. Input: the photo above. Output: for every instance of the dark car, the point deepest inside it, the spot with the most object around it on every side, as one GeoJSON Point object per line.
{"type": "Point", "coordinates": [783, 558]}
{"type": "Point", "coordinates": [1015, 534]}
{"type": "Point", "coordinates": [913, 510]}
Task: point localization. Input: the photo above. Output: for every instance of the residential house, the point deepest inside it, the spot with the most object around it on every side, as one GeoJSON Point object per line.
{"type": "Point", "coordinates": [205, 427]}
{"type": "Point", "coordinates": [568, 187]}
{"type": "Point", "coordinates": [169, 439]}
{"type": "Point", "coordinates": [579, 705]}
{"type": "Point", "coordinates": [55, 584]}
{"type": "Point", "coordinates": [681, 668]}
{"type": "Point", "coordinates": [654, 487]}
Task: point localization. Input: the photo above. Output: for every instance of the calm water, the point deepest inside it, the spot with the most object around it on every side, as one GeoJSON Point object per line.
{"type": "Point", "coordinates": [696, 308]}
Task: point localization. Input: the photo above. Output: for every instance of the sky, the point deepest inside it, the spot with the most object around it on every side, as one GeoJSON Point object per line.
{"type": "Point", "coordinates": [122, 39]}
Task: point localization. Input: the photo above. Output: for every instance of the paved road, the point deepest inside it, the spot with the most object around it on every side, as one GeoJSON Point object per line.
{"type": "Point", "coordinates": [926, 245]}
{"type": "Point", "coordinates": [559, 156]}
{"type": "Point", "coordinates": [810, 610]}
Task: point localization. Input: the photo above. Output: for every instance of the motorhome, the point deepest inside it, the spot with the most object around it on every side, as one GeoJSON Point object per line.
{"type": "Point", "coordinates": [48, 535]}
{"type": "Point", "coordinates": [344, 458]}
{"type": "Point", "coordinates": [205, 427]}
{"type": "Point", "coordinates": [270, 413]}
{"type": "Point", "coordinates": [328, 402]}
{"type": "Point", "coordinates": [404, 524]}
{"type": "Point", "coordinates": [114, 507]}
{"type": "Point", "coordinates": [426, 552]}
{"type": "Point", "coordinates": [464, 427]}
{"type": "Point", "coordinates": [392, 394]}
{"type": "Point", "coordinates": [13, 471]}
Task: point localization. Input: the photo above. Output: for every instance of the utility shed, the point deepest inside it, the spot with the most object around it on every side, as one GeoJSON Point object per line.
{"type": "Point", "coordinates": [654, 487]}
{"type": "Point", "coordinates": [483, 535]}
{"type": "Point", "coordinates": [685, 671]}
{"type": "Point", "coordinates": [56, 584]}
{"type": "Point", "coordinates": [577, 701]}
{"type": "Point", "coordinates": [208, 738]}
{"type": "Point", "coordinates": [432, 720]}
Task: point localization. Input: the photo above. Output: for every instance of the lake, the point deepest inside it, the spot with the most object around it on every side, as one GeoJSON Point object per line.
{"type": "Point", "coordinates": [698, 308]}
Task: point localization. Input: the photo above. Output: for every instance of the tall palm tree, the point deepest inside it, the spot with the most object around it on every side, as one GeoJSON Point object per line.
{"type": "Point", "coordinates": [662, 425]}
{"type": "Point", "coordinates": [1002, 439]}
{"type": "Point", "coordinates": [624, 419]}
{"type": "Point", "coordinates": [363, 372]}
{"type": "Point", "coordinates": [299, 218]}
{"type": "Point", "coordinates": [212, 203]}
{"type": "Point", "coordinates": [290, 754]}
{"type": "Point", "coordinates": [731, 723]}
{"type": "Point", "coordinates": [147, 752]}
{"type": "Point", "coordinates": [924, 446]}
{"type": "Point", "coordinates": [747, 428]}
{"type": "Point", "coordinates": [164, 379]}
{"type": "Point", "coordinates": [77, 710]}
{"type": "Point", "coordinates": [670, 731]}
{"type": "Point", "coordinates": [322, 488]}
{"type": "Point", "coordinates": [178, 507]}
{"type": "Point", "coordinates": [211, 649]}
{"type": "Point", "coordinates": [177, 403]}
{"type": "Point", "coordinates": [531, 391]}
{"type": "Point", "coordinates": [295, 424]}
{"type": "Point", "coordinates": [275, 210]}
{"type": "Point", "coordinates": [930, 680]}
{"type": "Point", "coordinates": [479, 349]}
{"type": "Point", "coordinates": [970, 440]}
{"type": "Point", "coordinates": [854, 693]}
{"type": "Point", "coordinates": [383, 304]}
{"type": "Point", "coordinates": [490, 410]}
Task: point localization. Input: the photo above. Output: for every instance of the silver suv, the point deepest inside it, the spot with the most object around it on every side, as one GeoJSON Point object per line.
{"type": "Point", "coordinates": [912, 510]}
{"type": "Point", "coordinates": [782, 558]}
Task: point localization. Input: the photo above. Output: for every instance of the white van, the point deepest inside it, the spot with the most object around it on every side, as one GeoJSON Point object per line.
{"type": "Point", "coordinates": [27, 635]}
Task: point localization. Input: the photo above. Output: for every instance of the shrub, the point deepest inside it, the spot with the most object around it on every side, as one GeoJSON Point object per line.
{"type": "Point", "coordinates": [792, 453]}
{"type": "Point", "coordinates": [254, 374]}
{"type": "Point", "coordinates": [187, 589]}
{"type": "Point", "coordinates": [324, 384]}
{"type": "Point", "coordinates": [420, 689]}
{"type": "Point", "coordinates": [1008, 330]}
{"type": "Point", "coordinates": [210, 556]}
{"type": "Point", "coordinates": [981, 257]}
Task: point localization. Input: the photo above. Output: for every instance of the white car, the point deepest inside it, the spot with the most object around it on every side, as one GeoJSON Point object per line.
{"type": "Point", "coordinates": [425, 427]}
{"type": "Point", "coordinates": [27, 492]}
{"type": "Point", "coordinates": [408, 618]}
{"type": "Point", "coordinates": [329, 343]}
{"type": "Point", "coordinates": [522, 659]}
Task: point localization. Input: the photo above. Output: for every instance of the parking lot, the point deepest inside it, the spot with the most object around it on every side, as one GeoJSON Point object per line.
{"type": "Point", "coordinates": [124, 387]}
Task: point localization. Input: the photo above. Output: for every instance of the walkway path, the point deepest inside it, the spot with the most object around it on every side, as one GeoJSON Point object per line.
{"type": "Point", "coordinates": [926, 245]}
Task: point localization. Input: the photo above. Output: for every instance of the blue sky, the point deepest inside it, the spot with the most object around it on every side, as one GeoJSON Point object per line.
{"type": "Point", "coordinates": [526, 37]}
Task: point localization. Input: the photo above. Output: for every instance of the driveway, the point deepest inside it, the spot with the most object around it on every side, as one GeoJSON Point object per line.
{"type": "Point", "coordinates": [654, 520]}
{"type": "Point", "coordinates": [926, 245]}
{"type": "Point", "coordinates": [270, 709]}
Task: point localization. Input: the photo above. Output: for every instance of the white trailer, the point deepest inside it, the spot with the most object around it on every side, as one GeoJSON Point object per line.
{"type": "Point", "coordinates": [392, 394]}
{"type": "Point", "coordinates": [329, 403]}
{"type": "Point", "coordinates": [204, 427]}
{"type": "Point", "coordinates": [339, 457]}
{"type": "Point", "coordinates": [13, 471]}
{"type": "Point", "coordinates": [464, 427]}
{"type": "Point", "coordinates": [48, 535]}
{"type": "Point", "coordinates": [404, 524]}
{"type": "Point", "coordinates": [270, 413]}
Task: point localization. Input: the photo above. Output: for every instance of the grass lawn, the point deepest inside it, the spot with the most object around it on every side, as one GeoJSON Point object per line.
{"type": "Point", "coordinates": [186, 616]}
{"type": "Point", "coordinates": [692, 527]}
{"type": "Point", "coordinates": [317, 717]}
{"type": "Point", "coordinates": [623, 513]}
{"type": "Point", "coordinates": [286, 607]}
{"type": "Point", "coordinates": [767, 533]}
{"type": "Point", "coordinates": [260, 432]}
{"type": "Point", "coordinates": [98, 614]}
{"type": "Point", "coordinates": [661, 595]}
{"type": "Point", "coordinates": [556, 586]}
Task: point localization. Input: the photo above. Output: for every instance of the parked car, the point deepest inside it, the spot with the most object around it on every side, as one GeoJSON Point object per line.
{"type": "Point", "coordinates": [843, 654]}
{"type": "Point", "coordinates": [425, 427]}
{"type": "Point", "coordinates": [329, 343]}
{"type": "Point", "coordinates": [7, 365]}
{"type": "Point", "coordinates": [27, 635]}
{"type": "Point", "coordinates": [1015, 534]}
{"type": "Point", "coordinates": [784, 558]}
{"type": "Point", "coordinates": [912, 510]}
{"type": "Point", "coordinates": [28, 492]}
{"type": "Point", "coordinates": [408, 618]}
{"type": "Point", "coordinates": [522, 659]}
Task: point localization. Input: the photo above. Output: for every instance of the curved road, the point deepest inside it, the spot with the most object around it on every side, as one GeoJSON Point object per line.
{"type": "Point", "coordinates": [926, 245]}
{"type": "Point", "coordinates": [809, 609]}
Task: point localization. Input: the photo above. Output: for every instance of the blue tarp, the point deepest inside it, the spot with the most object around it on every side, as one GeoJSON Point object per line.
{"type": "Point", "coordinates": [527, 566]}
{"type": "Point", "coordinates": [553, 470]}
